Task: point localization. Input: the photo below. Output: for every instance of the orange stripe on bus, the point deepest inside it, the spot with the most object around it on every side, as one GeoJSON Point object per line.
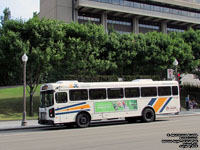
{"type": "Point", "coordinates": [159, 103]}
{"type": "Point", "coordinates": [76, 108]}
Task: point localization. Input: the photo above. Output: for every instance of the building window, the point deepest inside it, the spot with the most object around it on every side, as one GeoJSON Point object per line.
{"type": "Point", "coordinates": [119, 22]}
{"type": "Point", "coordinates": [152, 7]}
{"type": "Point", "coordinates": [92, 19]}
{"type": "Point", "coordinates": [175, 30]}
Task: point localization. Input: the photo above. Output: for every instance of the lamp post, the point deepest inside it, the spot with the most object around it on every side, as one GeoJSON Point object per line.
{"type": "Point", "coordinates": [175, 63]}
{"type": "Point", "coordinates": [24, 59]}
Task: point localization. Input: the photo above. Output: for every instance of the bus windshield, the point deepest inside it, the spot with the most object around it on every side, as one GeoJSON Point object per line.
{"type": "Point", "coordinates": [46, 99]}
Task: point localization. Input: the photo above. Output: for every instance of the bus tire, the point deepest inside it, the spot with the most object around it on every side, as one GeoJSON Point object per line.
{"type": "Point", "coordinates": [83, 120]}
{"type": "Point", "coordinates": [148, 115]}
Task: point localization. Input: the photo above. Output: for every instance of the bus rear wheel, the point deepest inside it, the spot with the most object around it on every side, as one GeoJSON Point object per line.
{"type": "Point", "coordinates": [83, 120]}
{"type": "Point", "coordinates": [148, 115]}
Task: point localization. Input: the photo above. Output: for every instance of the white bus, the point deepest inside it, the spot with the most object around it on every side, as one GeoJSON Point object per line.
{"type": "Point", "coordinates": [67, 102]}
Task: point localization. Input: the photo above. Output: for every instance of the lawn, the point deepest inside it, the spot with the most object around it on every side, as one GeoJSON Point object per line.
{"type": "Point", "coordinates": [11, 103]}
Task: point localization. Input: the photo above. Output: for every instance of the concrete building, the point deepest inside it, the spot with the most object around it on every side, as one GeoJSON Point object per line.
{"type": "Point", "coordinates": [127, 15]}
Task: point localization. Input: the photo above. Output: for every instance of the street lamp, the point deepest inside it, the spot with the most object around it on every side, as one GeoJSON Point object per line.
{"type": "Point", "coordinates": [175, 63]}
{"type": "Point", "coordinates": [24, 59]}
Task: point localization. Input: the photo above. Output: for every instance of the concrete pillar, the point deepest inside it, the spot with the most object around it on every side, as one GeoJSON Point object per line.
{"type": "Point", "coordinates": [135, 23]}
{"type": "Point", "coordinates": [104, 21]}
{"type": "Point", "coordinates": [164, 27]}
{"type": "Point", "coordinates": [75, 15]}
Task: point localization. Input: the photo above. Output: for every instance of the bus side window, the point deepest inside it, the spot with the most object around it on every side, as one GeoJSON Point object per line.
{"type": "Point", "coordinates": [61, 97]}
{"type": "Point", "coordinates": [175, 90]}
{"type": "Point", "coordinates": [78, 95]}
{"type": "Point", "coordinates": [132, 92]}
{"type": "Point", "coordinates": [115, 93]}
{"type": "Point", "coordinates": [97, 94]}
{"type": "Point", "coordinates": [148, 91]}
{"type": "Point", "coordinates": [164, 91]}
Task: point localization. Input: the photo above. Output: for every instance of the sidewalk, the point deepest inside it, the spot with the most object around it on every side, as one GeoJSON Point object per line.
{"type": "Point", "coordinates": [182, 113]}
{"type": "Point", "coordinates": [32, 124]}
{"type": "Point", "coordinates": [16, 125]}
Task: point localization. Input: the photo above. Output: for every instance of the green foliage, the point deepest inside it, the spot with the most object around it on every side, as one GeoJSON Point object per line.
{"type": "Point", "coordinates": [7, 15]}
{"type": "Point", "coordinates": [192, 38]}
{"type": "Point", "coordinates": [11, 47]}
{"type": "Point", "coordinates": [57, 50]}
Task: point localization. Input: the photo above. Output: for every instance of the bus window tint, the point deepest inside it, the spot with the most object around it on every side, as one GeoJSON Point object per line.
{"type": "Point", "coordinates": [97, 94]}
{"type": "Point", "coordinates": [78, 95]}
{"type": "Point", "coordinates": [61, 97]}
{"type": "Point", "coordinates": [175, 90]}
{"type": "Point", "coordinates": [115, 93]}
{"type": "Point", "coordinates": [164, 91]}
{"type": "Point", "coordinates": [148, 91]}
{"type": "Point", "coordinates": [132, 92]}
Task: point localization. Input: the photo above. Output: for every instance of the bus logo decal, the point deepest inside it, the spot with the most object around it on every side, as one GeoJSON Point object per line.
{"type": "Point", "coordinates": [157, 103]}
{"type": "Point", "coordinates": [166, 104]}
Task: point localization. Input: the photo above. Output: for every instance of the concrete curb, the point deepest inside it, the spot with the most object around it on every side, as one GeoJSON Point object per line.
{"type": "Point", "coordinates": [23, 128]}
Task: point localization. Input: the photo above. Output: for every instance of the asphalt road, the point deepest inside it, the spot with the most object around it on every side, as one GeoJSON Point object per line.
{"type": "Point", "coordinates": [110, 136]}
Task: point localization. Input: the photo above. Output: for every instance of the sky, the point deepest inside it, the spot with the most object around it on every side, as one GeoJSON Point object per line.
{"type": "Point", "coordinates": [20, 9]}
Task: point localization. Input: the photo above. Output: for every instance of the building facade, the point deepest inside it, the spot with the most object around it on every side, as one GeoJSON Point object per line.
{"type": "Point", "coordinates": [127, 16]}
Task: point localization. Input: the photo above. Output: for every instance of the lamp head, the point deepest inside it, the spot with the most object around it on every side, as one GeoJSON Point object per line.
{"type": "Point", "coordinates": [175, 63]}
{"type": "Point", "coordinates": [24, 58]}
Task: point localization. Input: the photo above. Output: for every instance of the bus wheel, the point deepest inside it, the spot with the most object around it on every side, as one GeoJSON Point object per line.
{"type": "Point", "coordinates": [83, 120]}
{"type": "Point", "coordinates": [148, 115]}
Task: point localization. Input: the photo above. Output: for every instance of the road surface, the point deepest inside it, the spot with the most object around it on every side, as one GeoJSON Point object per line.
{"type": "Point", "coordinates": [115, 136]}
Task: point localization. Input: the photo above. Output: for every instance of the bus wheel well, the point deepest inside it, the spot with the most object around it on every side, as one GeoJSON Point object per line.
{"type": "Point", "coordinates": [83, 119]}
{"type": "Point", "coordinates": [148, 114]}
{"type": "Point", "coordinates": [84, 112]}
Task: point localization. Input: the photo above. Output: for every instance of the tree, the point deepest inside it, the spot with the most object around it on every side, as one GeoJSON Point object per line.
{"type": "Point", "coordinates": [157, 51]}
{"type": "Point", "coordinates": [184, 53]}
{"type": "Point", "coordinates": [192, 38]}
{"type": "Point", "coordinates": [44, 45]}
{"type": "Point", "coordinates": [41, 40]}
{"type": "Point", "coordinates": [11, 50]}
{"type": "Point", "coordinates": [122, 51]}
{"type": "Point", "coordinates": [85, 52]}
{"type": "Point", "coordinates": [7, 15]}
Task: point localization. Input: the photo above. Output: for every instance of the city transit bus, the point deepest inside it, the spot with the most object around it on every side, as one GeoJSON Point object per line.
{"type": "Point", "coordinates": [73, 102]}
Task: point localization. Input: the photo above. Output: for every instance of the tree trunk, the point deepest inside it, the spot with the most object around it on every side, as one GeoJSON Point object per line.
{"type": "Point", "coordinates": [31, 105]}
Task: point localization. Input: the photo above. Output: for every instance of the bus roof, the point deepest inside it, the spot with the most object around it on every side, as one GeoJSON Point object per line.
{"type": "Point", "coordinates": [76, 84]}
